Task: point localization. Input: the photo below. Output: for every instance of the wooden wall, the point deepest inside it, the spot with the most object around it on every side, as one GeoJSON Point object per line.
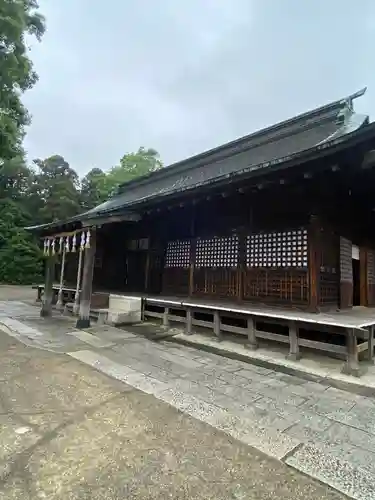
{"type": "Point", "coordinates": [207, 246]}
{"type": "Point", "coordinates": [251, 247]}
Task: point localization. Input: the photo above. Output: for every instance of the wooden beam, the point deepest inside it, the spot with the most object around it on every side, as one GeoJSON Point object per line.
{"type": "Point", "coordinates": [83, 320]}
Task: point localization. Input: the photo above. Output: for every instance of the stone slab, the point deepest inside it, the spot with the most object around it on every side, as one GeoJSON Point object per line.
{"type": "Point", "coordinates": [271, 442]}
{"type": "Point", "coordinates": [87, 338]}
{"type": "Point", "coordinates": [339, 474]}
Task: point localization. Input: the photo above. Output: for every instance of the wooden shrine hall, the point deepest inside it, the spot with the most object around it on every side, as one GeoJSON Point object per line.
{"type": "Point", "coordinates": [276, 225]}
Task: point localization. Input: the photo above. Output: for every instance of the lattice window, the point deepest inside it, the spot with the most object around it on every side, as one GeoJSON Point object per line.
{"type": "Point", "coordinates": [178, 254]}
{"type": "Point", "coordinates": [217, 252]}
{"type": "Point", "coordinates": [278, 249]}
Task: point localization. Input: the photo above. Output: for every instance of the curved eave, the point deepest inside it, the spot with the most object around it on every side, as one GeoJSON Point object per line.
{"type": "Point", "coordinates": [85, 220]}
{"type": "Point", "coordinates": [348, 135]}
{"type": "Point", "coordinates": [352, 133]}
{"type": "Point", "coordinates": [62, 225]}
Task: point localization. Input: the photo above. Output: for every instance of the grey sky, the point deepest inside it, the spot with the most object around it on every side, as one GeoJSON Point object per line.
{"type": "Point", "coordinates": [185, 76]}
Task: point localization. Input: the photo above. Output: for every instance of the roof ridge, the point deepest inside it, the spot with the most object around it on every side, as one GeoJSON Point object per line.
{"type": "Point", "coordinates": [165, 171]}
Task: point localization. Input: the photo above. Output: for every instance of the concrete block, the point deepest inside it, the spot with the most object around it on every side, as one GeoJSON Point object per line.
{"type": "Point", "coordinates": [120, 318]}
{"type": "Point", "coordinates": [124, 310]}
{"type": "Point", "coordinates": [122, 303]}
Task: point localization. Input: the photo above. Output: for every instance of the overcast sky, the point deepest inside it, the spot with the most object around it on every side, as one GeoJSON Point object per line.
{"type": "Point", "coordinates": [185, 76]}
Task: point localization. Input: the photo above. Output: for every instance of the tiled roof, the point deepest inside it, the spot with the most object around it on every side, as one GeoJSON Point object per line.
{"type": "Point", "coordinates": [246, 154]}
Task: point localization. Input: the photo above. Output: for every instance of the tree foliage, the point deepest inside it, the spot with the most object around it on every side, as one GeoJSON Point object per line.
{"type": "Point", "coordinates": [133, 165]}
{"type": "Point", "coordinates": [94, 188]}
{"type": "Point", "coordinates": [18, 18]}
{"type": "Point", "coordinates": [97, 186]}
{"type": "Point", "coordinates": [49, 190]}
{"type": "Point", "coordinates": [54, 190]}
{"type": "Point", "coordinates": [20, 255]}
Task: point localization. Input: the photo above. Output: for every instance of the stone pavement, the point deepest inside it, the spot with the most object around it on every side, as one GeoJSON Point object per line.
{"type": "Point", "coordinates": [321, 431]}
{"type": "Point", "coordinates": [70, 432]}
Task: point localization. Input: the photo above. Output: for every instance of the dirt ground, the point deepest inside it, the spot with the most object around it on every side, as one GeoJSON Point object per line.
{"type": "Point", "coordinates": [69, 432]}
{"type": "Point", "coordinates": [15, 292]}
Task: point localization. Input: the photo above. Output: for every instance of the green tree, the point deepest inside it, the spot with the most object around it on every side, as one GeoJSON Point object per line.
{"type": "Point", "coordinates": [97, 186]}
{"type": "Point", "coordinates": [133, 165]}
{"type": "Point", "coordinates": [94, 188]}
{"type": "Point", "coordinates": [54, 190]}
{"type": "Point", "coordinates": [18, 18]}
{"type": "Point", "coordinates": [20, 255]}
{"type": "Point", "coordinates": [15, 177]}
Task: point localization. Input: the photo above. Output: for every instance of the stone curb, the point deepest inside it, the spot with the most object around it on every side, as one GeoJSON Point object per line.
{"type": "Point", "coordinates": [352, 387]}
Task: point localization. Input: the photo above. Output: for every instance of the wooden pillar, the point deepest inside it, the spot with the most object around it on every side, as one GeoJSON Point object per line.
{"type": "Point", "coordinates": [166, 317]}
{"type": "Point", "coordinates": [46, 309]}
{"type": "Point", "coordinates": [60, 295]}
{"type": "Point", "coordinates": [252, 343]}
{"type": "Point", "coordinates": [314, 263]}
{"type": "Point", "coordinates": [78, 285]}
{"type": "Point", "coordinates": [83, 320]}
{"type": "Point", "coordinates": [370, 352]}
{"type": "Point", "coordinates": [217, 331]}
{"type": "Point", "coordinates": [294, 352]}
{"type": "Point", "coordinates": [189, 321]}
{"type": "Point", "coordinates": [351, 366]}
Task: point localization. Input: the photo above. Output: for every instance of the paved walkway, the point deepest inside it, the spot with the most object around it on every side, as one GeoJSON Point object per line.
{"type": "Point", "coordinates": [324, 432]}
{"type": "Point", "coordinates": [69, 432]}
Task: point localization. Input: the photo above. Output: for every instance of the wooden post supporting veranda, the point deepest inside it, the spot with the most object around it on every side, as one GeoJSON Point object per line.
{"type": "Point", "coordinates": [46, 309]}
{"type": "Point", "coordinates": [294, 352]}
{"type": "Point", "coordinates": [60, 296]}
{"type": "Point", "coordinates": [351, 367]}
{"type": "Point", "coordinates": [251, 343]}
{"type": "Point", "coordinates": [78, 286]}
{"type": "Point", "coordinates": [83, 320]}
